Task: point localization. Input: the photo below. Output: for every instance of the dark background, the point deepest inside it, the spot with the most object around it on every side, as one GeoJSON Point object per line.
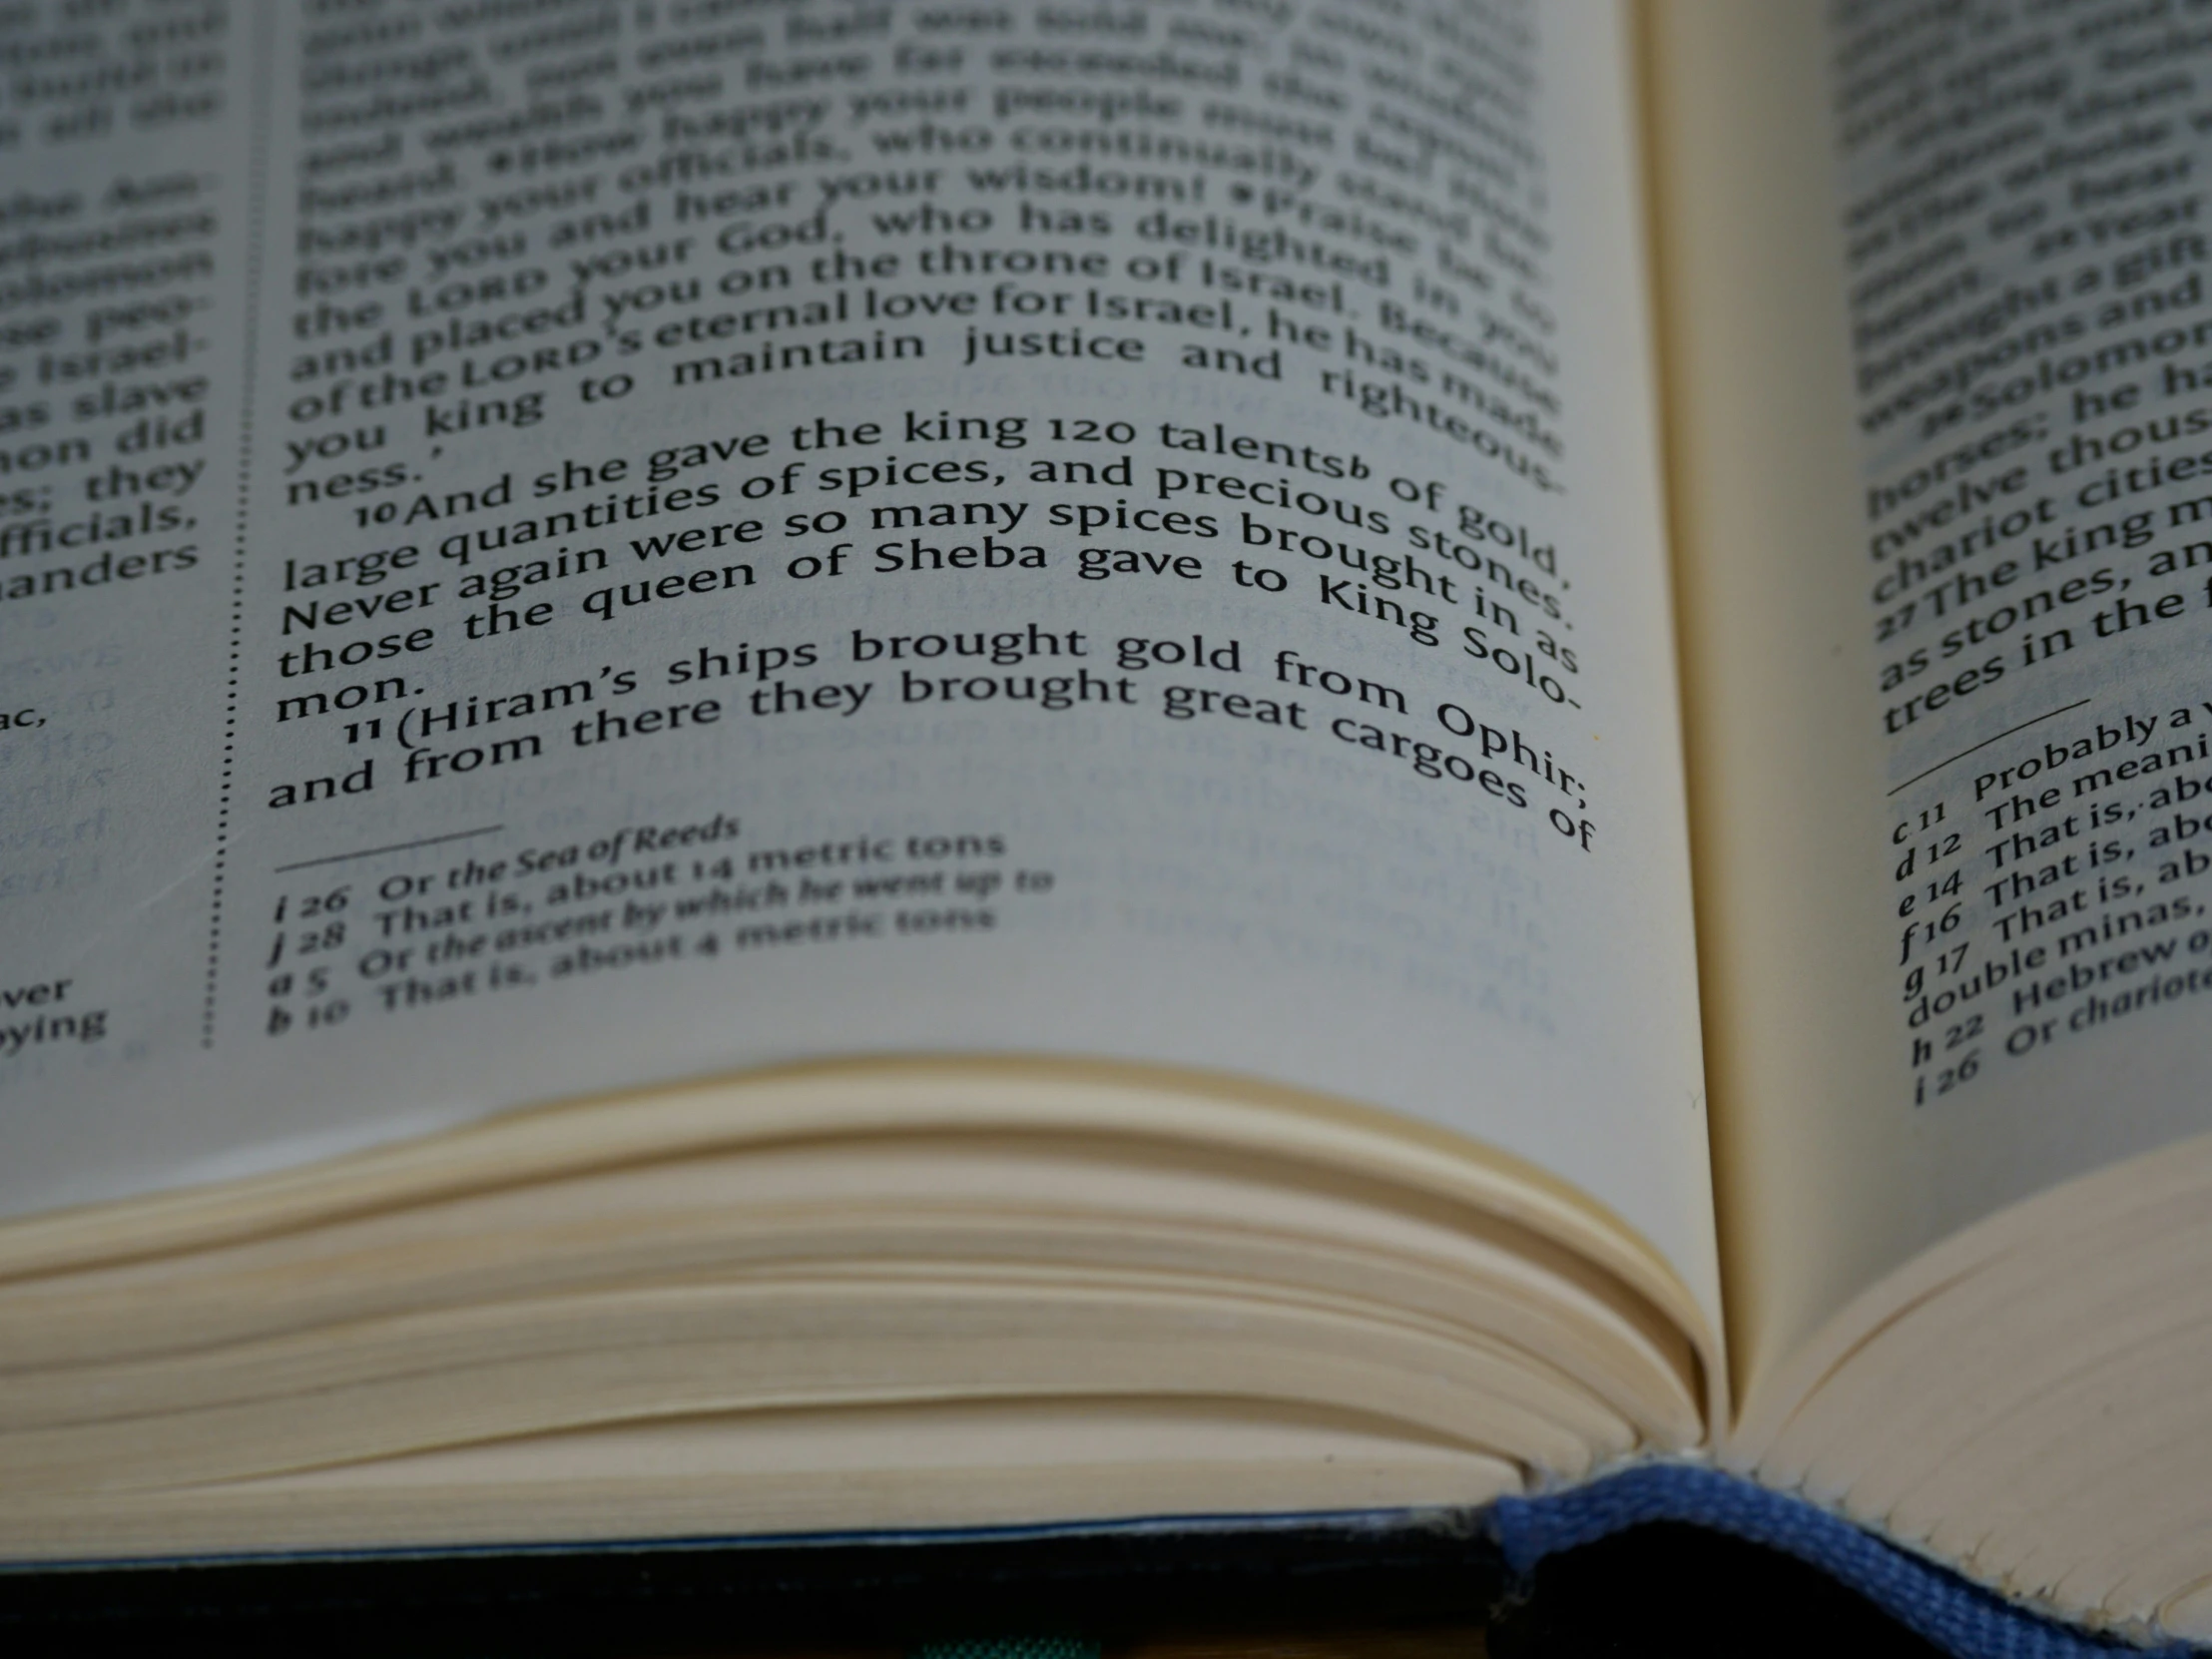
{"type": "Point", "coordinates": [1318, 1593]}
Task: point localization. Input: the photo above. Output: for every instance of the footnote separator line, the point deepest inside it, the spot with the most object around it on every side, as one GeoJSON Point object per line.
{"type": "Point", "coordinates": [1986, 742]}
{"type": "Point", "coordinates": [397, 846]}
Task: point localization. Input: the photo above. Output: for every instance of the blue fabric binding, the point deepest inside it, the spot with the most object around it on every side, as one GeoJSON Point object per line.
{"type": "Point", "coordinates": [1961, 1617]}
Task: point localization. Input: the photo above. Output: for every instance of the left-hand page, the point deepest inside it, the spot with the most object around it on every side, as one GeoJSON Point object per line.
{"type": "Point", "coordinates": [556, 547]}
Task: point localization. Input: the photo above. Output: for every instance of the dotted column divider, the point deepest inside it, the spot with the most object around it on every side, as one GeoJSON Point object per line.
{"type": "Point", "coordinates": [256, 211]}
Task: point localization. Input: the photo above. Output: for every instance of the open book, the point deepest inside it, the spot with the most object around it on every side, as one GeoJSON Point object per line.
{"type": "Point", "coordinates": [779, 768]}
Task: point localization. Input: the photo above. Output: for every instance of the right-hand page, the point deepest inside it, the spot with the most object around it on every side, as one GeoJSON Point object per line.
{"type": "Point", "coordinates": [1940, 340]}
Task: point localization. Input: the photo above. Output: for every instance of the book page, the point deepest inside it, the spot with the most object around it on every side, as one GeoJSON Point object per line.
{"type": "Point", "coordinates": [555, 547]}
{"type": "Point", "coordinates": [1943, 307]}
